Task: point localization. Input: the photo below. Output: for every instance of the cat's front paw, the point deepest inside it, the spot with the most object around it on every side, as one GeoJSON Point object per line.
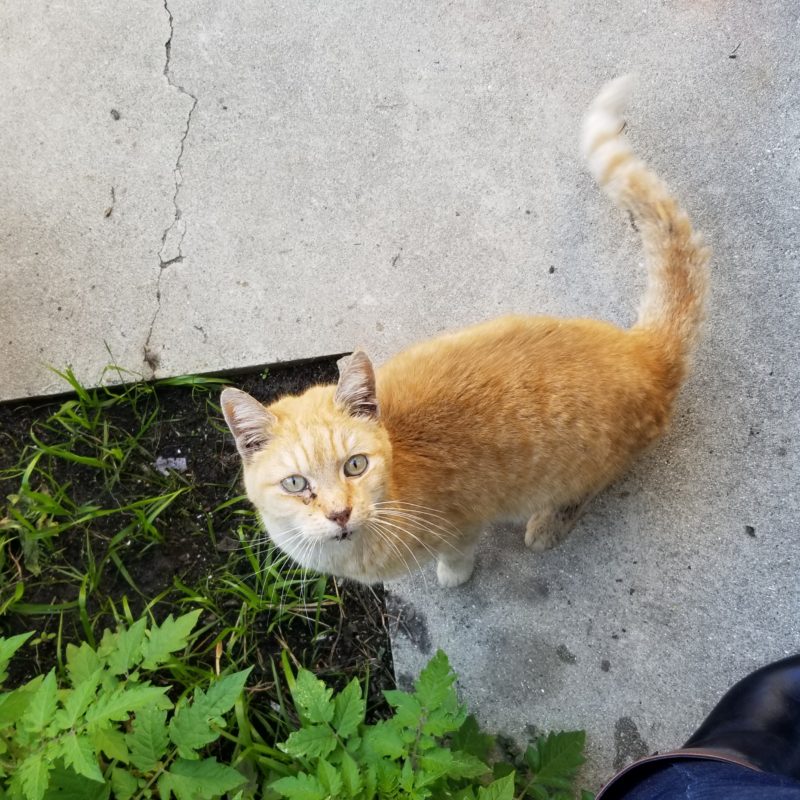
{"type": "Point", "coordinates": [542, 531]}
{"type": "Point", "coordinates": [548, 527]}
{"type": "Point", "coordinates": [453, 573]}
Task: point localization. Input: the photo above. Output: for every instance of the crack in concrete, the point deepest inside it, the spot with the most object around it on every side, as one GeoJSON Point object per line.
{"type": "Point", "coordinates": [151, 357]}
{"type": "Point", "coordinates": [166, 258]}
{"type": "Point", "coordinates": [171, 250]}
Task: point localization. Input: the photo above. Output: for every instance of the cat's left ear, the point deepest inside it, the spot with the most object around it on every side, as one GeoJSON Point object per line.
{"type": "Point", "coordinates": [356, 388]}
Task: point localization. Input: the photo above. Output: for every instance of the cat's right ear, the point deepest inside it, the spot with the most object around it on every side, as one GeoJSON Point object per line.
{"type": "Point", "coordinates": [248, 420]}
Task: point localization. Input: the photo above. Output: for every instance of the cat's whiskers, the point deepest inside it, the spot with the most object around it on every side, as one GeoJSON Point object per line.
{"type": "Point", "coordinates": [295, 533]}
{"type": "Point", "coordinates": [421, 523]}
{"type": "Point", "coordinates": [415, 508]}
{"type": "Point", "coordinates": [403, 529]}
{"type": "Point", "coordinates": [256, 550]}
{"type": "Point", "coordinates": [304, 575]}
{"type": "Point", "coordinates": [395, 537]}
{"type": "Point", "coordinates": [300, 559]}
{"type": "Point", "coordinates": [276, 562]}
{"type": "Point", "coordinates": [407, 503]}
{"type": "Point", "coordinates": [288, 544]}
{"type": "Point", "coordinates": [370, 525]}
{"type": "Point", "coordinates": [443, 534]}
{"type": "Point", "coordinates": [384, 536]}
{"type": "Point", "coordinates": [250, 543]}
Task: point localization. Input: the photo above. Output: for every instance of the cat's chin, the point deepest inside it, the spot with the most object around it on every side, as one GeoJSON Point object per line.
{"type": "Point", "coordinates": [332, 553]}
{"type": "Point", "coordinates": [349, 557]}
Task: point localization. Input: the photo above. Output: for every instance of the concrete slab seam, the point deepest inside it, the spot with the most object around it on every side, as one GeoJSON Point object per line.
{"type": "Point", "coordinates": [151, 358]}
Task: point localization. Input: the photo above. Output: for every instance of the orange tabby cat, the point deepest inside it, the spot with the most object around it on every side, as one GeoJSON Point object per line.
{"type": "Point", "coordinates": [523, 418]}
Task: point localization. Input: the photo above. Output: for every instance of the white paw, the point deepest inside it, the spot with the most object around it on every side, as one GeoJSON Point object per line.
{"type": "Point", "coordinates": [452, 574]}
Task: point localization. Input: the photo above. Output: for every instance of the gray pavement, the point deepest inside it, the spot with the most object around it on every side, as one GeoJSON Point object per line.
{"type": "Point", "coordinates": [280, 183]}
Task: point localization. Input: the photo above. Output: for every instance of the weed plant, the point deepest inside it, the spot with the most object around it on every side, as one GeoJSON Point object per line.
{"type": "Point", "coordinates": [103, 726]}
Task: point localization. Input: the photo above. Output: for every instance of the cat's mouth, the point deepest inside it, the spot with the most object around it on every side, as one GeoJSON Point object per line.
{"type": "Point", "coordinates": [343, 535]}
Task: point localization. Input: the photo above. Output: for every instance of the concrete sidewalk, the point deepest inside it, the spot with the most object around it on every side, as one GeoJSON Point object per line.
{"type": "Point", "coordinates": [193, 186]}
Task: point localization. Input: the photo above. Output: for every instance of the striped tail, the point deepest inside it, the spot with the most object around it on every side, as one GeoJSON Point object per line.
{"type": "Point", "coordinates": [676, 259]}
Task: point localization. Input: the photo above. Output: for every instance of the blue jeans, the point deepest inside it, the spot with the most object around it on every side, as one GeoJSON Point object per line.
{"type": "Point", "coordinates": [712, 780]}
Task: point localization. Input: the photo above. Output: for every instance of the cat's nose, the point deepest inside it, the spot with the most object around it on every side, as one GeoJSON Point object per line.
{"type": "Point", "coordinates": [340, 517]}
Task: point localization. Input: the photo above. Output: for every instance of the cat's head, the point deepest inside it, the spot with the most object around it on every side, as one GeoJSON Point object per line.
{"type": "Point", "coordinates": [315, 465]}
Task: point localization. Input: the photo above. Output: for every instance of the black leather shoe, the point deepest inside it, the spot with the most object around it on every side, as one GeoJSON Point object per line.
{"type": "Point", "coordinates": [758, 720]}
{"type": "Point", "coordinates": [756, 725]}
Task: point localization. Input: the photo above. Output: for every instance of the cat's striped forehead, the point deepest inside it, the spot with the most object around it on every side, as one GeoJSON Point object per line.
{"type": "Point", "coordinates": [313, 435]}
{"type": "Point", "coordinates": [307, 449]}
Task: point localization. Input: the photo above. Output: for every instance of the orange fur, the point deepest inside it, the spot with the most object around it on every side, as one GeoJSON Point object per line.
{"type": "Point", "coordinates": [522, 418]}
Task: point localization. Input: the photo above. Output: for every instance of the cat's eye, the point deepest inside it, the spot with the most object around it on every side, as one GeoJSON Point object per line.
{"type": "Point", "coordinates": [295, 484]}
{"type": "Point", "coordinates": [355, 465]}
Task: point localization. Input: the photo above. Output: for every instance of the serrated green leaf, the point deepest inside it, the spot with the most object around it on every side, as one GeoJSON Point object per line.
{"type": "Point", "coordinates": [351, 779]}
{"type": "Point", "coordinates": [329, 778]}
{"type": "Point", "coordinates": [123, 784]}
{"type": "Point", "coordinates": [220, 698]}
{"type": "Point", "coordinates": [407, 776]}
{"type": "Point", "coordinates": [465, 765]}
{"type": "Point", "coordinates": [165, 639]}
{"type": "Point", "coordinates": [469, 739]}
{"type": "Point", "coordinates": [32, 777]}
{"type": "Point", "coordinates": [560, 756]}
{"type": "Point", "coordinates": [434, 687]}
{"type": "Point", "coordinates": [299, 787]}
{"type": "Point", "coordinates": [407, 709]}
{"type": "Point", "coordinates": [79, 754]}
{"type": "Point", "coordinates": [313, 741]}
{"type": "Point", "coordinates": [370, 777]}
{"type": "Point", "coordinates": [76, 701]}
{"type": "Point", "coordinates": [127, 648]}
{"type": "Point", "coordinates": [349, 709]}
{"type": "Point", "coordinates": [312, 698]}
{"type": "Point", "coordinates": [147, 743]}
{"type": "Point", "coordinates": [8, 647]}
{"type": "Point", "coordinates": [82, 662]}
{"type": "Point", "coordinates": [111, 742]}
{"type": "Point", "coordinates": [124, 701]}
{"type": "Point", "coordinates": [433, 765]}
{"type": "Point", "coordinates": [502, 789]}
{"type": "Point", "coordinates": [388, 778]}
{"type": "Point", "coordinates": [13, 705]}
{"type": "Point", "coordinates": [67, 785]}
{"type": "Point", "coordinates": [195, 724]}
{"type": "Point", "coordinates": [189, 731]}
{"type": "Point", "coordinates": [447, 719]}
{"type": "Point", "coordinates": [199, 780]}
{"type": "Point", "coordinates": [384, 741]}
{"type": "Point", "coordinates": [42, 705]}
{"type": "Point", "coordinates": [108, 643]}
